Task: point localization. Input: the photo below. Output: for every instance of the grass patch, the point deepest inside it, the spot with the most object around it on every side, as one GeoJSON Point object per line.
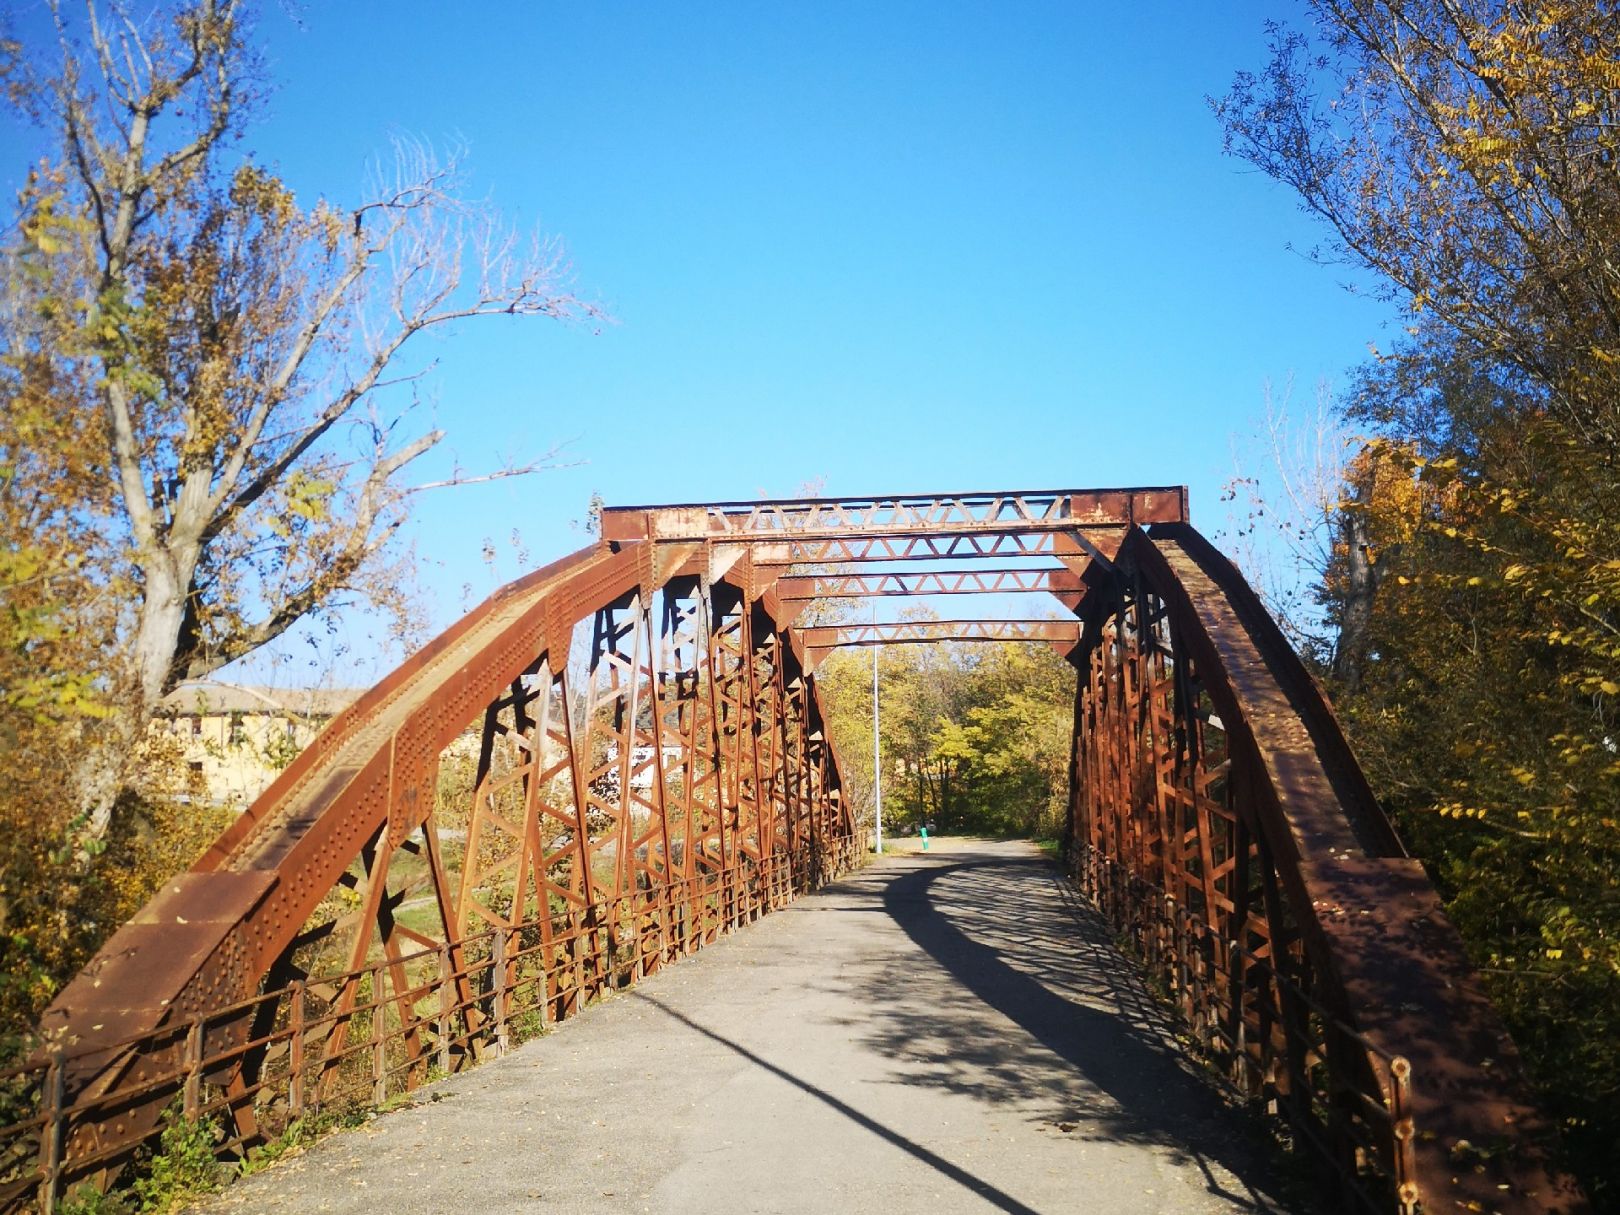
{"type": "Point", "coordinates": [184, 1167]}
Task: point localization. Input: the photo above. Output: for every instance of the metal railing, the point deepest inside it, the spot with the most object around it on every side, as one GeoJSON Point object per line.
{"type": "Point", "coordinates": [1346, 1101]}
{"type": "Point", "coordinates": [360, 1038]}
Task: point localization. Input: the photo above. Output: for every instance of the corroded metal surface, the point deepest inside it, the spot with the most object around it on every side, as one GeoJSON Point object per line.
{"type": "Point", "coordinates": [1219, 818]}
{"type": "Point", "coordinates": [1011, 513]}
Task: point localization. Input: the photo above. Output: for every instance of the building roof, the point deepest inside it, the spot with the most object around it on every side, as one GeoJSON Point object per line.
{"type": "Point", "coordinates": [205, 698]}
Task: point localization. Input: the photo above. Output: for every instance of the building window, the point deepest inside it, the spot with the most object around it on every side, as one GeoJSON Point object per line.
{"type": "Point", "coordinates": [237, 735]}
{"type": "Point", "coordinates": [196, 725]}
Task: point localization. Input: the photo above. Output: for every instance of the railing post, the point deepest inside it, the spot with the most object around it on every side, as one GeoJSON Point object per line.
{"type": "Point", "coordinates": [1238, 1021]}
{"type": "Point", "coordinates": [1403, 1132]}
{"type": "Point", "coordinates": [698, 889]}
{"type": "Point", "coordinates": [498, 975]}
{"type": "Point", "coordinates": [548, 968]}
{"type": "Point", "coordinates": [586, 958]}
{"type": "Point", "coordinates": [50, 1148]}
{"type": "Point", "coordinates": [379, 1044]}
{"type": "Point", "coordinates": [295, 1050]}
{"type": "Point", "coordinates": [446, 996]}
{"type": "Point", "coordinates": [599, 933]}
{"type": "Point", "coordinates": [666, 923]}
{"type": "Point", "coordinates": [638, 965]}
{"type": "Point", "coordinates": [191, 1095]}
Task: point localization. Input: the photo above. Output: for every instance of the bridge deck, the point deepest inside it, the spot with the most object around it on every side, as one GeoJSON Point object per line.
{"type": "Point", "coordinates": [940, 1033]}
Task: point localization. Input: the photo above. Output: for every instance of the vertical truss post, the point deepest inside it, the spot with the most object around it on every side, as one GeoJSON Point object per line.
{"type": "Point", "coordinates": [53, 1121]}
{"type": "Point", "coordinates": [680, 709]}
{"type": "Point", "coordinates": [657, 870]}
{"type": "Point", "coordinates": [379, 1039]}
{"type": "Point", "coordinates": [725, 714]}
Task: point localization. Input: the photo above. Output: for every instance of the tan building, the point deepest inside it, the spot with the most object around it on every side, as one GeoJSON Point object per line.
{"type": "Point", "coordinates": [237, 738]}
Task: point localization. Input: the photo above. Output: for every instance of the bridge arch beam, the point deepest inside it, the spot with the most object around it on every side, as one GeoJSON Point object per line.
{"type": "Point", "coordinates": [1218, 817]}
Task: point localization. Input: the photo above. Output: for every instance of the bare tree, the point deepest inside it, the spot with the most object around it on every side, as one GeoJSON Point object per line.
{"type": "Point", "coordinates": [1284, 523]}
{"type": "Point", "coordinates": [248, 354]}
{"type": "Point", "coordinates": [1304, 497]}
{"type": "Point", "coordinates": [238, 332]}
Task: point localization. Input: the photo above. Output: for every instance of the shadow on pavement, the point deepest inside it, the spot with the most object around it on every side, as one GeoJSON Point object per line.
{"type": "Point", "coordinates": [1009, 932]}
{"type": "Point", "coordinates": [997, 1198]}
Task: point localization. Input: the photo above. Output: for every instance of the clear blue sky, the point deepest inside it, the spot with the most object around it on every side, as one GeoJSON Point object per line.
{"type": "Point", "coordinates": [893, 247]}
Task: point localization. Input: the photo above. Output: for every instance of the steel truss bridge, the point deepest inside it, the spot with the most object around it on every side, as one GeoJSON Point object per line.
{"type": "Point", "coordinates": [622, 756]}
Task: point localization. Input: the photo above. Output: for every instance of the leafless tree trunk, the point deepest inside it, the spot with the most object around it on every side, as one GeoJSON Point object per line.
{"type": "Point", "coordinates": [1361, 576]}
{"type": "Point", "coordinates": [235, 336]}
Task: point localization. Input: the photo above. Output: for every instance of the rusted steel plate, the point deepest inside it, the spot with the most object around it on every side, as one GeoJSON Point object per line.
{"type": "Point", "coordinates": [123, 990]}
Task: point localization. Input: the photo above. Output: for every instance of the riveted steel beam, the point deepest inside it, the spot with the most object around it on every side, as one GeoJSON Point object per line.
{"type": "Point", "coordinates": [1219, 820]}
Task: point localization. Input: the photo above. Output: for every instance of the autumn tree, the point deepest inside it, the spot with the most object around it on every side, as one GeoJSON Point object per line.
{"type": "Point", "coordinates": [1465, 160]}
{"type": "Point", "coordinates": [206, 422]}
{"type": "Point", "coordinates": [63, 609]}
{"type": "Point", "coordinates": [1282, 523]}
{"type": "Point", "coordinates": [232, 362]}
{"type": "Point", "coordinates": [976, 737]}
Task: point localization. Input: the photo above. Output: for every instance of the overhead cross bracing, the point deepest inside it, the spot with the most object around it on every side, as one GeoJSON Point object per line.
{"type": "Point", "coordinates": [1058, 582]}
{"type": "Point", "coordinates": [919, 514]}
{"type": "Point", "coordinates": [623, 756]}
{"type": "Point", "coordinates": [820, 639]}
{"type": "Point", "coordinates": [1068, 524]}
{"type": "Point", "coordinates": [1073, 528]}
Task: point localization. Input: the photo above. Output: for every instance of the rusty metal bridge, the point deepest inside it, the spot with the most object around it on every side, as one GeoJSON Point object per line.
{"type": "Point", "coordinates": [620, 757]}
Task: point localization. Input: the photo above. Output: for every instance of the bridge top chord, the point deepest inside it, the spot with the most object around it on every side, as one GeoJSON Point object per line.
{"type": "Point", "coordinates": [901, 515]}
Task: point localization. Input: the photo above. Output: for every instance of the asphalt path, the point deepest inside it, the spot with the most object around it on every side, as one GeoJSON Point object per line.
{"type": "Point", "coordinates": [937, 1033]}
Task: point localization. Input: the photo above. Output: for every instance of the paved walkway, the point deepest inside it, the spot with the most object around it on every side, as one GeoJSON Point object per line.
{"type": "Point", "coordinates": [939, 1033]}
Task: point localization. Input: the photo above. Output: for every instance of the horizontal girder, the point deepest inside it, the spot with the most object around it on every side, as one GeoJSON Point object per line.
{"type": "Point", "coordinates": [842, 549]}
{"type": "Point", "coordinates": [820, 640]}
{"type": "Point", "coordinates": [921, 514]}
{"type": "Point", "coordinates": [930, 582]}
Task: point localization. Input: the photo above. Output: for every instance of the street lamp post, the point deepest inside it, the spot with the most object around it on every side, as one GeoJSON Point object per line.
{"type": "Point", "coordinates": [877, 746]}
